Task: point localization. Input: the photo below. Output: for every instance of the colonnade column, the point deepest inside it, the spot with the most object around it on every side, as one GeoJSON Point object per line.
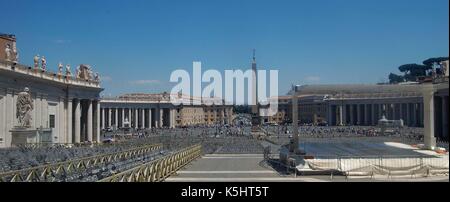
{"type": "Point", "coordinates": [109, 117]}
{"type": "Point", "coordinates": [116, 118]}
{"type": "Point", "coordinates": [394, 112]}
{"type": "Point", "coordinates": [89, 121]}
{"type": "Point", "coordinates": [170, 118]}
{"type": "Point", "coordinates": [136, 118]}
{"type": "Point", "coordinates": [143, 118]}
{"type": "Point", "coordinates": [149, 118]}
{"type": "Point", "coordinates": [358, 115]}
{"type": "Point", "coordinates": [330, 114]}
{"type": "Point", "coordinates": [69, 121]}
{"type": "Point", "coordinates": [97, 123]}
{"type": "Point", "coordinates": [408, 114]}
{"type": "Point", "coordinates": [77, 117]}
{"type": "Point", "coordinates": [352, 119]}
{"type": "Point", "coordinates": [414, 114]}
{"type": "Point", "coordinates": [421, 114]}
{"type": "Point", "coordinates": [156, 112]}
{"type": "Point", "coordinates": [103, 118]}
{"type": "Point", "coordinates": [428, 100]}
{"type": "Point", "coordinates": [130, 120]}
{"type": "Point", "coordinates": [385, 110]}
{"type": "Point", "coordinates": [161, 113]}
{"type": "Point", "coordinates": [344, 114]}
{"type": "Point", "coordinates": [373, 122]}
{"type": "Point", "coordinates": [174, 118]}
{"type": "Point", "coordinates": [340, 115]}
{"type": "Point", "coordinates": [366, 114]}
{"type": "Point", "coordinates": [382, 111]}
{"type": "Point", "coordinates": [444, 112]}
{"type": "Point", "coordinates": [123, 118]}
{"type": "Point", "coordinates": [401, 111]}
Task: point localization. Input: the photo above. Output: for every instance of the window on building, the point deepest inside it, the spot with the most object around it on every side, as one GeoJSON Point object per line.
{"type": "Point", "coordinates": [52, 121]}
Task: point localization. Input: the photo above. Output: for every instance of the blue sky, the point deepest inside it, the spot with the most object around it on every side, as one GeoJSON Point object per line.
{"type": "Point", "coordinates": [136, 44]}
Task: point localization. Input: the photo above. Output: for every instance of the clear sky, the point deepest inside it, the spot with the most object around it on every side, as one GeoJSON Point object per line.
{"type": "Point", "coordinates": [136, 44]}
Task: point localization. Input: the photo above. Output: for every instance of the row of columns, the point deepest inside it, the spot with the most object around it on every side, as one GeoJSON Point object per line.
{"type": "Point", "coordinates": [138, 117]}
{"type": "Point", "coordinates": [83, 120]}
{"type": "Point", "coordinates": [432, 113]}
{"type": "Point", "coordinates": [369, 114]}
{"type": "Point", "coordinates": [437, 117]}
{"type": "Point", "coordinates": [219, 116]}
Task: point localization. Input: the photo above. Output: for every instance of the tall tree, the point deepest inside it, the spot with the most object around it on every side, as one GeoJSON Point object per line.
{"type": "Point", "coordinates": [434, 62]}
{"type": "Point", "coordinates": [394, 78]}
{"type": "Point", "coordinates": [413, 71]}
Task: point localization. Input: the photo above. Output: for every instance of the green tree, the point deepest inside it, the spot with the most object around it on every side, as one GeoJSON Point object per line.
{"type": "Point", "coordinates": [434, 62]}
{"type": "Point", "coordinates": [394, 78]}
{"type": "Point", "coordinates": [413, 71]}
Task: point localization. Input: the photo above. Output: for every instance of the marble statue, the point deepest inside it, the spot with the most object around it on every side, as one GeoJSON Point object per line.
{"type": "Point", "coordinates": [60, 68]}
{"type": "Point", "coordinates": [36, 61]}
{"type": "Point", "coordinates": [8, 52]}
{"type": "Point", "coordinates": [16, 54]}
{"type": "Point", "coordinates": [91, 74]}
{"type": "Point", "coordinates": [43, 64]}
{"type": "Point", "coordinates": [77, 72]}
{"type": "Point", "coordinates": [97, 77]}
{"type": "Point", "coordinates": [68, 72]}
{"type": "Point", "coordinates": [24, 107]}
{"type": "Point", "coordinates": [84, 72]}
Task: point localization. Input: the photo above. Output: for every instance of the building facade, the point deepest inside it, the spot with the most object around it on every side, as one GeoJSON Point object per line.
{"type": "Point", "coordinates": [66, 106]}
{"type": "Point", "coordinates": [357, 104]}
{"type": "Point", "coordinates": [364, 105]}
{"type": "Point", "coordinates": [145, 111]}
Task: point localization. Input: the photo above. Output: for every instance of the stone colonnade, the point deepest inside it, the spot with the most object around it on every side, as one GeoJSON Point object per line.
{"type": "Point", "coordinates": [367, 113]}
{"type": "Point", "coordinates": [83, 120]}
{"type": "Point", "coordinates": [137, 117]}
{"type": "Point", "coordinates": [435, 115]}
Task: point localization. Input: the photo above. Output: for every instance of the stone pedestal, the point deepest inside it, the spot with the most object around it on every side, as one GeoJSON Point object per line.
{"type": "Point", "coordinates": [22, 136]}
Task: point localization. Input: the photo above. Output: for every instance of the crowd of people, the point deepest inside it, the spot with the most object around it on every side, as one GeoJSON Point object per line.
{"type": "Point", "coordinates": [347, 131]}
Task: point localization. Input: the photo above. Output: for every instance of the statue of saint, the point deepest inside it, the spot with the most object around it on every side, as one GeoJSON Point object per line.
{"type": "Point", "coordinates": [68, 73]}
{"type": "Point", "coordinates": [43, 64]}
{"type": "Point", "coordinates": [24, 107]}
{"type": "Point", "coordinates": [8, 52]}
{"type": "Point", "coordinates": [90, 74]}
{"type": "Point", "coordinates": [16, 58]}
{"type": "Point", "coordinates": [97, 76]}
{"type": "Point", "coordinates": [60, 68]}
{"type": "Point", "coordinates": [77, 72]}
{"type": "Point", "coordinates": [36, 62]}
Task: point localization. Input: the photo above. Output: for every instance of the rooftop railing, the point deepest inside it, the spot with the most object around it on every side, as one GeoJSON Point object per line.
{"type": "Point", "coordinates": [47, 75]}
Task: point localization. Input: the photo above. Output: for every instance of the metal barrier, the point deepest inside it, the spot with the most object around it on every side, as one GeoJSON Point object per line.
{"type": "Point", "coordinates": [370, 166]}
{"type": "Point", "coordinates": [158, 170]}
{"type": "Point", "coordinates": [50, 171]}
{"type": "Point", "coordinates": [62, 145]}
